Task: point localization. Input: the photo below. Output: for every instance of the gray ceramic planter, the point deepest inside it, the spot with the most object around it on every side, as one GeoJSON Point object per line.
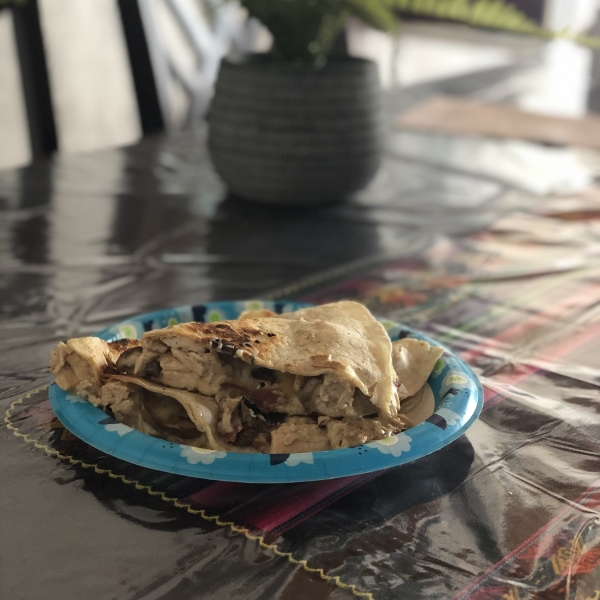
{"type": "Point", "coordinates": [291, 134]}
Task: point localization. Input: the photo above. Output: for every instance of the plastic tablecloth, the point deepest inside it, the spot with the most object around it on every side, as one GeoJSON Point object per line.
{"type": "Point", "coordinates": [509, 280]}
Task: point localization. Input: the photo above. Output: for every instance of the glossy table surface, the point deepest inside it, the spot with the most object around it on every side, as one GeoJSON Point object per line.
{"type": "Point", "coordinates": [510, 508]}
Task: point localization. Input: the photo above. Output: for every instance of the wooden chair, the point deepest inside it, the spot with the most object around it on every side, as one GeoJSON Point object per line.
{"type": "Point", "coordinates": [151, 66]}
{"type": "Point", "coordinates": [186, 40]}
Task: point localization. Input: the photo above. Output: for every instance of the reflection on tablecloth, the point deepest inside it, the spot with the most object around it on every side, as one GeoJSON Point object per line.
{"type": "Point", "coordinates": [520, 303]}
{"type": "Point", "coordinates": [508, 510]}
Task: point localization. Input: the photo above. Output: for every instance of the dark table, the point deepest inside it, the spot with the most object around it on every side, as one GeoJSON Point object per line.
{"type": "Point", "coordinates": [508, 511]}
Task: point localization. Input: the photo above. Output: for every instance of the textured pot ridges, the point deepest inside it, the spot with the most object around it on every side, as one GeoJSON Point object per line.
{"type": "Point", "coordinates": [294, 134]}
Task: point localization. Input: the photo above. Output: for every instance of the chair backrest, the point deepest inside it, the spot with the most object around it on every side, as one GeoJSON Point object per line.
{"type": "Point", "coordinates": [103, 73]}
{"type": "Point", "coordinates": [187, 40]}
{"type": "Point", "coordinates": [27, 125]}
{"type": "Point", "coordinates": [75, 78]}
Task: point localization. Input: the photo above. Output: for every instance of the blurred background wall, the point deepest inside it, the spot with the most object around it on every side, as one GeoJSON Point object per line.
{"type": "Point", "coordinates": [95, 97]}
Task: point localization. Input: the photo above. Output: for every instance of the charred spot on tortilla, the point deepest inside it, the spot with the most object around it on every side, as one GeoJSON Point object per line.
{"type": "Point", "coordinates": [224, 333]}
{"type": "Point", "coordinates": [219, 346]}
{"type": "Point", "coordinates": [320, 378]}
{"type": "Point", "coordinates": [123, 345]}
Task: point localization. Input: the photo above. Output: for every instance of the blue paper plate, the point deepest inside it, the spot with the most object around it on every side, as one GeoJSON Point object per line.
{"type": "Point", "coordinates": [457, 392]}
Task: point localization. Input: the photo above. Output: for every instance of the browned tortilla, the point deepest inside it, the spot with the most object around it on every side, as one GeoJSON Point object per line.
{"type": "Point", "coordinates": [342, 339]}
{"type": "Point", "coordinates": [319, 378]}
{"type": "Point", "coordinates": [79, 365]}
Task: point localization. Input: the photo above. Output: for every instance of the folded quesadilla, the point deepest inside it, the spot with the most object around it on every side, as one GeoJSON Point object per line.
{"type": "Point", "coordinates": [319, 378]}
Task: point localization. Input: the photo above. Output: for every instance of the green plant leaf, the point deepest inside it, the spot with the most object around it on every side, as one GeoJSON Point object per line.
{"type": "Point", "coordinates": [305, 30]}
{"type": "Point", "coordinates": [294, 24]}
